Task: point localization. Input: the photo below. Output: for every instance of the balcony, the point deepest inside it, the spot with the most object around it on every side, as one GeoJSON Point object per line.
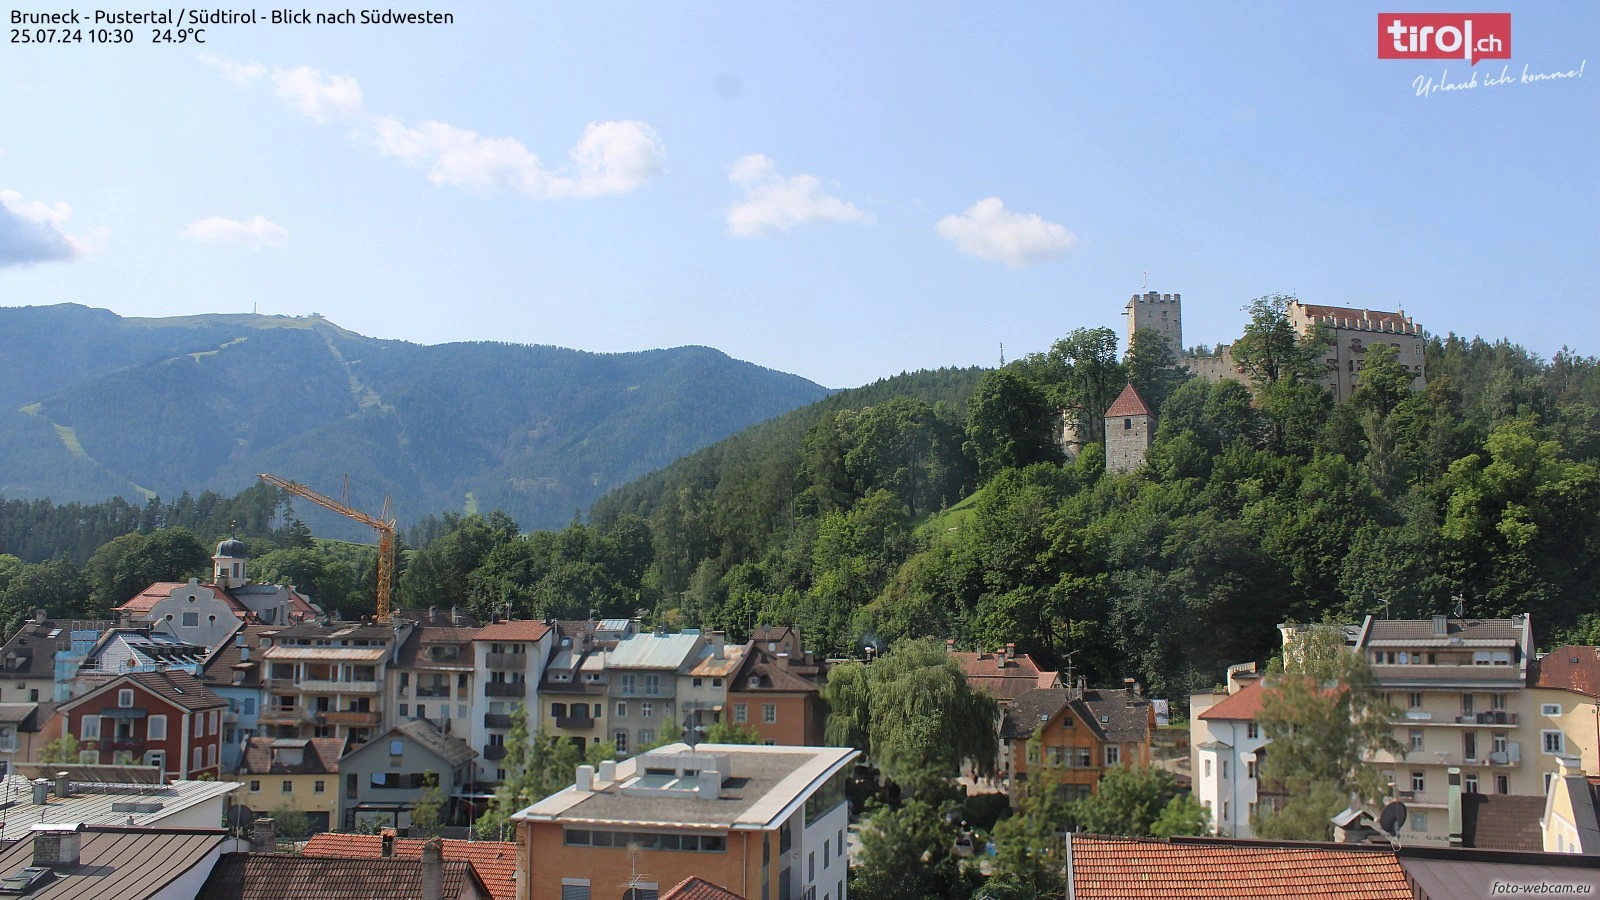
{"type": "Point", "coordinates": [506, 688]}
{"type": "Point", "coordinates": [229, 717]}
{"type": "Point", "coordinates": [494, 752]}
{"type": "Point", "coordinates": [123, 743]}
{"type": "Point", "coordinates": [348, 717]}
{"type": "Point", "coordinates": [1489, 717]}
{"type": "Point", "coordinates": [516, 661]}
{"type": "Point", "coordinates": [576, 723]}
{"type": "Point", "coordinates": [276, 716]}
{"type": "Point", "coordinates": [496, 720]}
{"type": "Point", "coordinates": [338, 687]}
{"type": "Point", "coordinates": [432, 692]}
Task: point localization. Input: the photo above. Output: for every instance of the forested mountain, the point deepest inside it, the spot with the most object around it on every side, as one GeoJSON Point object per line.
{"type": "Point", "coordinates": [94, 405]}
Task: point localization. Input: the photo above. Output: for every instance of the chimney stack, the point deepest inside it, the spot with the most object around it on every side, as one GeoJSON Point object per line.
{"type": "Point", "coordinates": [55, 846]}
{"type": "Point", "coordinates": [433, 869]}
{"type": "Point", "coordinates": [585, 780]}
{"type": "Point", "coordinates": [38, 615]}
{"type": "Point", "coordinates": [386, 842]}
{"type": "Point", "coordinates": [949, 645]}
{"type": "Point", "coordinates": [41, 791]}
{"type": "Point", "coordinates": [717, 643]}
{"type": "Point", "coordinates": [63, 785]}
{"type": "Point", "coordinates": [264, 836]}
{"type": "Point", "coordinates": [1011, 652]}
{"type": "Point", "coordinates": [608, 770]}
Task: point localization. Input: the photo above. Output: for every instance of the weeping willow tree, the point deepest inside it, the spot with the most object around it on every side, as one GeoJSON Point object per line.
{"type": "Point", "coordinates": [912, 713]}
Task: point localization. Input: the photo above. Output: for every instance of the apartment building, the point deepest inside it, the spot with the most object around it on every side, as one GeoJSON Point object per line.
{"type": "Point", "coordinates": [1565, 692]}
{"type": "Point", "coordinates": [703, 689]}
{"type": "Point", "coordinates": [291, 773]}
{"type": "Point", "coordinates": [766, 695]}
{"type": "Point", "coordinates": [573, 690]}
{"type": "Point", "coordinates": [166, 719]}
{"type": "Point", "coordinates": [508, 659]}
{"type": "Point", "coordinates": [431, 678]}
{"type": "Point", "coordinates": [384, 778]}
{"type": "Point", "coordinates": [642, 684]}
{"type": "Point", "coordinates": [43, 653]}
{"type": "Point", "coordinates": [234, 673]}
{"type": "Point", "coordinates": [1227, 747]}
{"type": "Point", "coordinates": [1082, 732]}
{"type": "Point", "coordinates": [767, 822]}
{"type": "Point", "coordinates": [329, 680]}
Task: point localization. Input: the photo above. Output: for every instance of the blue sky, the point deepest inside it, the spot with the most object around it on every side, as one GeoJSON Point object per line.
{"type": "Point", "coordinates": [840, 192]}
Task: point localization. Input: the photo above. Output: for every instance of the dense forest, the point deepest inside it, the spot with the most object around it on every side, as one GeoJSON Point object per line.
{"type": "Point", "coordinates": [941, 504]}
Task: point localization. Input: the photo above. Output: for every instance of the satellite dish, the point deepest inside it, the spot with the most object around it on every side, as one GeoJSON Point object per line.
{"type": "Point", "coordinates": [1392, 817]}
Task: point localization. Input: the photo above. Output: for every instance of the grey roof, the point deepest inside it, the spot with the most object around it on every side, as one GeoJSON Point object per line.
{"type": "Point", "coordinates": [178, 688]}
{"type": "Point", "coordinates": [449, 749]}
{"type": "Point", "coordinates": [31, 652]}
{"type": "Point", "coordinates": [1122, 714]}
{"type": "Point", "coordinates": [1468, 873]}
{"type": "Point", "coordinates": [653, 651]}
{"type": "Point", "coordinates": [353, 631]}
{"type": "Point", "coordinates": [91, 773]}
{"type": "Point", "coordinates": [762, 782]}
{"type": "Point", "coordinates": [1116, 715]}
{"type": "Point", "coordinates": [126, 863]}
{"type": "Point", "coordinates": [1502, 822]}
{"type": "Point", "coordinates": [17, 713]}
{"type": "Point", "coordinates": [1025, 714]}
{"type": "Point", "coordinates": [96, 804]}
{"type": "Point", "coordinates": [1419, 632]}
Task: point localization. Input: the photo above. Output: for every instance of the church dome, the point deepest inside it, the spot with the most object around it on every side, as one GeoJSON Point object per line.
{"type": "Point", "coordinates": [232, 548]}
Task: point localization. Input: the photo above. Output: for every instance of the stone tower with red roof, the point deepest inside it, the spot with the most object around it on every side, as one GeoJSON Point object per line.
{"type": "Point", "coordinates": [1130, 429]}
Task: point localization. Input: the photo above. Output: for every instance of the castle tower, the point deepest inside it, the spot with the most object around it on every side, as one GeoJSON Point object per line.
{"type": "Point", "coordinates": [1130, 429]}
{"type": "Point", "coordinates": [1158, 312]}
{"type": "Point", "coordinates": [227, 564]}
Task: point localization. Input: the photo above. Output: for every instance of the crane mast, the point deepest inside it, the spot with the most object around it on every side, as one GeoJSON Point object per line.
{"type": "Point", "coordinates": [383, 524]}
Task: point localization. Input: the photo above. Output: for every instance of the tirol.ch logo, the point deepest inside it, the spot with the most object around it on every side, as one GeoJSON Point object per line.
{"type": "Point", "coordinates": [1468, 36]}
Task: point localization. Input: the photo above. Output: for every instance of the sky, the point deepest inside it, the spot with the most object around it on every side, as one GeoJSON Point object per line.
{"type": "Point", "coordinates": [840, 191]}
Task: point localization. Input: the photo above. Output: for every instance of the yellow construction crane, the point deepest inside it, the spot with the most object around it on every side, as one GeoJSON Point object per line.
{"type": "Point", "coordinates": [383, 524]}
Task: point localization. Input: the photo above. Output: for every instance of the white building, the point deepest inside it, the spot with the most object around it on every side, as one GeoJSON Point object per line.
{"type": "Point", "coordinates": [508, 659]}
{"type": "Point", "coordinates": [1227, 747]}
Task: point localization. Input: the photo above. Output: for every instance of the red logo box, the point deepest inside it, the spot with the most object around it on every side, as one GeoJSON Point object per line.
{"type": "Point", "coordinates": [1468, 36]}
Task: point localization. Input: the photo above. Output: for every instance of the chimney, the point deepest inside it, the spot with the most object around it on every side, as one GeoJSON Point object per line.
{"type": "Point", "coordinates": [41, 792]}
{"type": "Point", "coordinates": [264, 836]}
{"type": "Point", "coordinates": [585, 781]}
{"type": "Point", "coordinates": [1453, 799]}
{"type": "Point", "coordinates": [1011, 652]}
{"type": "Point", "coordinates": [608, 770]}
{"type": "Point", "coordinates": [433, 869]}
{"type": "Point", "coordinates": [1441, 626]}
{"type": "Point", "coordinates": [386, 842]}
{"type": "Point", "coordinates": [455, 617]}
{"type": "Point", "coordinates": [55, 846]}
{"type": "Point", "coordinates": [950, 645]}
{"type": "Point", "coordinates": [716, 644]}
{"type": "Point", "coordinates": [433, 615]}
{"type": "Point", "coordinates": [63, 785]}
{"type": "Point", "coordinates": [125, 618]}
{"type": "Point", "coordinates": [708, 784]}
{"type": "Point", "coordinates": [38, 615]}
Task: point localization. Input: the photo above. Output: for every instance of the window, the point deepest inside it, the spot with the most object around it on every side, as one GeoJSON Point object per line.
{"type": "Point", "coordinates": [255, 787]}
{"type": "Point", "coordinates": [1468, 707]}
{"type": "Point", "coordinates": [1127, 424]}
{"type": "Point", "coordinates": [156, 728]}
{"type": "Point", "coordinates": [1553, 742]}
{"type": "Point", "coordinates": [216, 721]}
{"type": "Point", "coordinates": [827, 852]}
{"type": "Point", "coordinates": [319, 786]}
{"type": "Point", "coordinates": [1469, 745]}
{"type": "Point", "coordinates": [647, 709]}
{"type": "Point", "coordinates": [90, 729]}
{"type": "Point", "coordinates": [621, 739]}
{"type": "Point", "coordinates": [1224, 777]}
{"type": "Point", "coordinates": [1416, 700]}
{"type": "Point", "coordinates": [1250, 769]}
{"type": "Point", "coordinates": [811, 866]}
{"type": "Point", "coordinates": [1419, 820]}
{"type": "Point", "coordinates": [646, 736]}
{"type": "Point", "coordinates": [574, 888]}
{"type": "Point", "coordinates": [1499, 742]}
{"type": "Point", "coordinates": [1113, 755]}
{"type": "Point", "coordinates": [1497, 701]}
{"type": "Point", "coordinates": [200, 726]}
{"type": "Point", "coordinates": [405, 710]}
{"type": "Point", "coordinates": [1502, 784]}
{"type": "Point", "coordinates": [198, 759]}
{"type": "Point", "coordinates": [622, 710]}
{"type": "Point", "coordinates": [628, 683]}
{"type": "Point", "coordinates": [559, 710]}
{"type": "Point", "coordinates": [740, 713]}
{"type": "Point", "coordinates": [716, 682]}
{"type": "Point", "coordinates": [1549, 709]}
{"type": "Point", "coordinates": [1416, 738]}
{"type": "Point", "coordinates": [1225, 807]}
{"type": "Point", "coordinates": [1252, 731]}
{"type": "Point", "coordinates": [1033, 753]}
{"type": "Point", "coordinates": [125, 698]}
{"type": "Point", "coordinates": [769, 713]}
{"type": "Point", "coordinates": [191, 620]}
{"type": "Point", "coordinates": [652, 684]}
{"type": "Point", "coordinates": [1418, 782]}
{"type": "Point", "coordinates": [397, 747]}
{"type": "Point", "coordinates": [288, 786]}
{"type": "Point", "coordinates": [1469, 784]}
{"type": "Point", "coordinates": [1208, 768]}
{"type": "Point", "coordinates": [211, 755]}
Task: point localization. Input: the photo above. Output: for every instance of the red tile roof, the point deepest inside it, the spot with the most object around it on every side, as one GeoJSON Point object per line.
{"type": "Point", "coordinates": [495, 862]}
{"type": "Point", "coordinates": [1243, 704]}
{"type": "Point", "coordinates": [696, 888]}
{"type": "Point", "coordinates": [1006, 679]}
{"type": "Point", "coordinates": [152, 595]}
{"type": "Point", "coordinates": [274, 876]}
{"type": "Point", "coordinates": [1570, 668]}
{"type": "Point", "coordinates": [1128, 403]}
{"type": "Point", "coordinates": [1128, 868]}
{"type": "Point", "coordinates": [1346, 312]}
{"type": "Point", "coordinates": [522, 630]}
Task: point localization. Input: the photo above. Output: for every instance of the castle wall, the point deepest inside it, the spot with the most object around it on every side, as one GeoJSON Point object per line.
{"type": "Point", "coordinates": [1158, 312]}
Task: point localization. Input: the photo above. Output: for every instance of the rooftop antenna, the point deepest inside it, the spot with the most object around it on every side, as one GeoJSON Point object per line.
{"type": "Point", "coordinates": [1002, 354]}
{"type": "Point", "coordinates": [1386, 610]}
{"type": "Point", "coordinates": [1461, 606]}
{"type": "Point", "coordinates": [1146, 281]}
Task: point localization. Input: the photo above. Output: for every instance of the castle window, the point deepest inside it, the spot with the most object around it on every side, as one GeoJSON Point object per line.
{"type": "Point", "coordinates": [1127, 424]}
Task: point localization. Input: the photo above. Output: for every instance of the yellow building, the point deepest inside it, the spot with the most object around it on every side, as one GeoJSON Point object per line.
{"type": "Point", "coordinates": [1566, 685]}
{"type": "Point", "coordinates": [292, 773]}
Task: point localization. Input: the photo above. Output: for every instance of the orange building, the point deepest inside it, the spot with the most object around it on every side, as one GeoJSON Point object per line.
{"type": "Point", "coordinates": [766, 822]}
{"type": "Point", "coordinates": [1082, 734]}
{"type": "Point", "coordinates": [1005, 674]}
{"type": "Point", "coordinates": [767, 694]}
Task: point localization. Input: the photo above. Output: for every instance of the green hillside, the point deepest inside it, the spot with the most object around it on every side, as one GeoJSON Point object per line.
{"type": "Point", "coordinates": [145, 407]}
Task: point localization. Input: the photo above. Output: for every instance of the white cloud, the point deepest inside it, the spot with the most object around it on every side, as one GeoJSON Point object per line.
{"type": "Point", "coordinates": [242, 74]}
{"type": "Point", "coordinates": [32, 232]}
{"type": "Point", "coordinates": [316, 94]}
{"type": "Point", "coordinates": [610, 158]}
{"type": "Point", "coordinates": [773, 202]}
{"type": "Point", "coordinates": [987, 230]}
{"type": "Point", "coordinates": [255, 232]}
